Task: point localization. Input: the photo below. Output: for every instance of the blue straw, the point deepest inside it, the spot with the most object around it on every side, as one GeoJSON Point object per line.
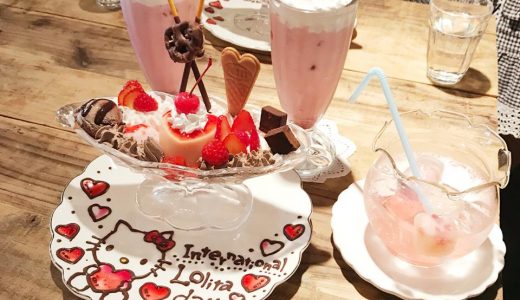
{"type": "Point", "coordinates": [398, 124]}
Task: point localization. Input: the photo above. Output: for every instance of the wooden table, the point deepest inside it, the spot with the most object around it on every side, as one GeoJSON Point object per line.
{"type": "Point", "coordinates": [57, 51]}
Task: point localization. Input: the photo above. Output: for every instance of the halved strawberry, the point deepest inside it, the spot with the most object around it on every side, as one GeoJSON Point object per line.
{"type": "Point", "coordinates": [243, 136]}
{"type": "Point", "coordinates": [129, 86]}
{"type": "Point", "coordinates": [243, 122]}
{"type": "Point", "coordinates": [234, 145]}
{"type": "Point", "coordinates": [211, 123]}
{"type": "Point", "coordinates": [223, 128]}
{"type": "Point", "coordinates": [129, 98]}
{"type": "Point", "coordinates": [254, 141]}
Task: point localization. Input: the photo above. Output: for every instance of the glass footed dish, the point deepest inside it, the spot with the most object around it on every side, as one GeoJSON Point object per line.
{"type": "Point", "coordinates": [189, 198]}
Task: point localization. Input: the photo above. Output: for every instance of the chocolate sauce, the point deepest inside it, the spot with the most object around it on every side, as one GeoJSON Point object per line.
{"type": "Point", "coordinates": [85, 108]}
{"type": "Point", "coordinates": [101, 113]}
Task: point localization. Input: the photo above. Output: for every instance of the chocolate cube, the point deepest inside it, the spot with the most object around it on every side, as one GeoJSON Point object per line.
{"type": "Point", "coordinates": [272, 118]}
{"type": "Point", "coordinates": [281, 140]}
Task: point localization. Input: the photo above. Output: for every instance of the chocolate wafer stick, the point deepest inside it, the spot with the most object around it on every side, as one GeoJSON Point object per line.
{"type": "Point", "coordinates": [185, 75]}
{"type": "Point", "coordinates": [202, 89]}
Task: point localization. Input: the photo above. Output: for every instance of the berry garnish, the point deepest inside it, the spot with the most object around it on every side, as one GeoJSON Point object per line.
{"type": "Point", "coordinates": [243, 122]}
{"type": "Point", "coordinates": [223, 128]}
{"type": "Point", "coordinates": [234, 145]}
{"type": "Point", "coordinates": [174, 160]}
{"type": "Point", "coordinates": [134, 128]}
{"type": "Point", "coordinates": [215, 153]}
{"type": "Point", "coordinates": [130, 86]}
{"type": "Point", "coordinates": [243, 136]}
{"type": "Point", "coordinates": [145, 103]}
{"type": "Point", "coordinates": [186, 103]}
{"type": "Point", "coordinates": [211, 123]}
{"type": "Point", "coordinates": [254, 141]}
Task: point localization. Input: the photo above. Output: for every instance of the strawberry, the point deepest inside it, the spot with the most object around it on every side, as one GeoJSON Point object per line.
{"type": "Point", "coordinates": [211, 123]}
{"type": "Point", "coordinates": [134, 128]}
{"type": "Point", "coordinates": [215, 153]}
{"type": "Point", "coordinates": [128, 87]}
{"type": "Point", "coordinates": [186, 103]}
{"type": "Point", "coordinates": [234, 145]}
{"type": "Point", "coordinates": [243, 122]}
{"type": "Point", "coordinates": [223, 128]}
{"type": "Point", "coordinates": [174, 160]}
{"type": "Point", "coordinates": [130, 97]}
{"type": "Point", "coordinates": [243, 136]}
{"type": "Point", "coordinates": [145, 103]}
{"type": "Point", "coordinates": [254, 141]}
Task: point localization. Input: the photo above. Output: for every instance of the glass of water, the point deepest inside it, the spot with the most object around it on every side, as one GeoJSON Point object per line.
{"type": "Point", "coordinates": [456, 27]}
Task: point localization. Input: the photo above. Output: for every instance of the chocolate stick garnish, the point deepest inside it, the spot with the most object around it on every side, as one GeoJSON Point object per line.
{"type": "Point", "coordinates": [185, 76]}
{"type": "Point", "coordinates": [202, 88]}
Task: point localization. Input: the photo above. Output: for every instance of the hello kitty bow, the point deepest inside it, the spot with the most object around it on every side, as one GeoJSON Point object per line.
{"type": "Point", "coordinates": [162, 243]}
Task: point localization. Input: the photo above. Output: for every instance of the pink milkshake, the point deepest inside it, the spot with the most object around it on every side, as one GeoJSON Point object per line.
{"type": "Point", "coordinates": [146, 21]}
{"type": "Point", "coordinates": [309, 44]}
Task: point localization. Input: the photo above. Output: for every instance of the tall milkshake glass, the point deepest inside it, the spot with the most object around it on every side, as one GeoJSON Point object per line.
{"type": "Point", "coordinates": [309, 44]}
{"type": "Point", "coordinates": [146, 21]}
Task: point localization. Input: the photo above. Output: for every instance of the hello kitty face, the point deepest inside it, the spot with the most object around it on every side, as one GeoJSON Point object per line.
{"type": "Point", "coordinates": [127, 248]}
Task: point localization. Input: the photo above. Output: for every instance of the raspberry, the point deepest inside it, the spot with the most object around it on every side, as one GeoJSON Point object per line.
{"type": "Point", "coordinates": [215, 153]}
{"type": "Point", "coordinates": [186, 103]}
{"type": "Point", "coordinates": [133, 83]}
{"type": "Point", "coordinates": [145, 102]}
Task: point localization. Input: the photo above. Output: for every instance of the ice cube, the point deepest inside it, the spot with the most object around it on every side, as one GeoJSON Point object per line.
{"type": "Point", "coordinates": [404, 204]}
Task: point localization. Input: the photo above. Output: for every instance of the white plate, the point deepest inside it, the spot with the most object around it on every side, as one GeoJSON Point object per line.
{"type": "Point", "coordinates": [228, 31]}
{"type": "Point", "coordinates": [365, 253]}
{"type": "Point", "coordinates": [99, 237]}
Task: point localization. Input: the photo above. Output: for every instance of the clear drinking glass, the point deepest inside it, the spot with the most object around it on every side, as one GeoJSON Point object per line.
{"type": "Point", "coordinates": [462, 167]}
{"type": "Point", "coordinates": [308, 50]}
{"type": "Point", "coordinates": [146, 21]}
{"type": "Point", "coordinates": [456, 27]}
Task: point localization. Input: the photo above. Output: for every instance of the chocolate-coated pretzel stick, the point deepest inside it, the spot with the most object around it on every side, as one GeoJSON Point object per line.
{"type": "Point", "coordinates": [202, 89]}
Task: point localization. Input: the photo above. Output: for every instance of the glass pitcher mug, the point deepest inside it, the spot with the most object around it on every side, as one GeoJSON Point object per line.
{"type": "Point", "coordinates": [462, 166]}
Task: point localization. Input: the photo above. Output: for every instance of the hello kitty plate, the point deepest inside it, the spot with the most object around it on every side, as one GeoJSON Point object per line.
{"type": "Point", "coordinates": [106, 249]}
{"type": "Point", "coordinates": [460, 278]}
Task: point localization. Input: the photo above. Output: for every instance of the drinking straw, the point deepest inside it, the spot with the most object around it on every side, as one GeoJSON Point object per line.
{"type": "Point", "coordinates": [378, 72]}
{"type": "Point", "coordinates": [175, 14]}
{"type": "Point", "coordinates": [199, 11]}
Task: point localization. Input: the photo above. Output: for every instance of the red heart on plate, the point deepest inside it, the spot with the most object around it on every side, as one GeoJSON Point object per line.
{"type": "Point", "coordinates": [293, 232]}
{"type": "Point", "coordinates": [105, 278]}
{"type": "Point", "coordinates": [211, 21]}
{"type": "Point", "coordinates": [69, 230]}
{"type": "Point", "coordinates": [151, 291]}
{"type": "Point", "coordinates": [70, 255]}
{"type": "Point", "coordinates": [216, 4]}
{"type": "Point", "coordinates": [98, 212]}
{"type": "Point", "coordinates": [252, 282]}
{"type": "Point", "coordinates": [270, 247]}
{"type": "Point", "coordinates": [94, 188]}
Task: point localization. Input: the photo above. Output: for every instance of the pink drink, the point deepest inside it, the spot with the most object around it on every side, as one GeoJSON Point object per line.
{"type": "Point", "coordinates": [456, 225]}
{"type": "Point", "coordinates": [146, 21]}
{"type": "Point", "coordinates": [309, 44]}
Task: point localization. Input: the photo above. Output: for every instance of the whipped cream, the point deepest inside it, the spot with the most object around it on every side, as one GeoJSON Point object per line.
{"type": "Point", "coordinates": [316, 15]}
{"type": "Point", "coordinates": [153, 118]}
{"type": "Point", "coordinates": [188, 123]}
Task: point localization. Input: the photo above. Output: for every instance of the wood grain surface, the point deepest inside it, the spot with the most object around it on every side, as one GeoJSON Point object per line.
{"type": "Point", "coordinates": [60, 51]}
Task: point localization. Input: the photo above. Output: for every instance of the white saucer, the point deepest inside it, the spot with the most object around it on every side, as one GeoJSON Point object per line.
{"type": "Point", "coordinates": [365, 253]}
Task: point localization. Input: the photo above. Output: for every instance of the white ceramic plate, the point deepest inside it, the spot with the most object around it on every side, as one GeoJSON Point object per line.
{"type": "Point", "coordinates": [106, 248]}
{"type": "Point", "coordinates": [226, 28]}
{"type": "Point", "coordinates": [365, 253]}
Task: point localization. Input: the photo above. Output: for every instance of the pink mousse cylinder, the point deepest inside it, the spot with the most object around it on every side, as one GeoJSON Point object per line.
{"type": "Point", "coordinates": [309, 46]}
{"type": "Point", "coordinates": [146, 21]}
